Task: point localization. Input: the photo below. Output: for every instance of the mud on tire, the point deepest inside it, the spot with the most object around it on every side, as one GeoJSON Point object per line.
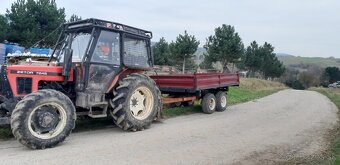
{"type": "Point", "coordinates": [136, 103]}
{"type": "Point", "coordinates": [34, 118]}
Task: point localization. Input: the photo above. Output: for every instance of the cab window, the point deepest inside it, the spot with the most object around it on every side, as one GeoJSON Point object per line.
{"type": "Point", "coordinates": [136, 52]}
{"type": "Point", "coordinates": [107, 48]}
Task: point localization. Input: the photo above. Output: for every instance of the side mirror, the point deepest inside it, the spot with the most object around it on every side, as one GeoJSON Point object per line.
{"type": "Point", "coordinates": [67, 62]}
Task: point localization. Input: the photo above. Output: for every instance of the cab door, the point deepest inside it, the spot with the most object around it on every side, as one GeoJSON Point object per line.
{"type": "Point", "coordinates": [104, 62]}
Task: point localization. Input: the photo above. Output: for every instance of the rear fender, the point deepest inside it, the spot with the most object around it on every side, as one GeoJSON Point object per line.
{"type": "Point", "coordinates": [125, 72]}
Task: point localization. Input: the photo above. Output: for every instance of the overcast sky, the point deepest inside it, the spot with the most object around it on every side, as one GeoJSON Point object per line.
{"type": "Point", "coordinates": [298, 27]}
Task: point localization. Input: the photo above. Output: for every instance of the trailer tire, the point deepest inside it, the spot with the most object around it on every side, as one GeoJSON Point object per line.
{"type": "Point", "coordinates": [221, 99]}
{"type": "Point", "coordinates": [43, 119]}
{"type": "Point", "coordinates": [127, 112]}
{"type": "Point", "coordinates": [209, 103]}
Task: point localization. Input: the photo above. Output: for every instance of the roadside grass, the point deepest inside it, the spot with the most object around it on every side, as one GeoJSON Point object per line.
{"type": "Point", "coordinates": [334, 96]}
{"type": "Point", "coordinates": [249, 89]}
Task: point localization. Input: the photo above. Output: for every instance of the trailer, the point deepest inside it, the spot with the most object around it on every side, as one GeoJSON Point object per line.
{"type": "Point", "coordinates": [186, 88]}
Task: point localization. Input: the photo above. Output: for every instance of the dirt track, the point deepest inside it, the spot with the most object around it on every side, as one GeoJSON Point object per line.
{"type": "Point", "coordinates": [273, 129]}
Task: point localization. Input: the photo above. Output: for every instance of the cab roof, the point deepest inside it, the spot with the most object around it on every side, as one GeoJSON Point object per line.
{"type": "Point", "coordinates": [92, 22]}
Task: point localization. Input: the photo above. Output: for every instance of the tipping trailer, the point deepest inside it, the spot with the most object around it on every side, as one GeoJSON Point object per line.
{"type": "Point", "coordinates": [186, 88]}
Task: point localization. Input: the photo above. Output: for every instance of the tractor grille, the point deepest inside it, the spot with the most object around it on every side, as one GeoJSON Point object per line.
{"type": "Point", "coordinates": [24, 85]}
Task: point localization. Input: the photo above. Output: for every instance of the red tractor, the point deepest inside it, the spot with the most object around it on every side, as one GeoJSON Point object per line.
{"type": "Point", "coordinates": [95, 67]}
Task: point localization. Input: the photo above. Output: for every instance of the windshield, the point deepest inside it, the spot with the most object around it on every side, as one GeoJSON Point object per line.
{"type": "Point", "coordinates": [79, 44]}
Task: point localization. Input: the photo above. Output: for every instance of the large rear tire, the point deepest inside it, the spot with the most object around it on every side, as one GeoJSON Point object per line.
{"type": "Point", "coordinates": [136, 103]}
{"type": "Point", "coordinates": [43, 119]}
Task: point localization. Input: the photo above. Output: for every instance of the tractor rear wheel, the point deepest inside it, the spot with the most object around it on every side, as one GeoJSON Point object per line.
{"type": "Point", "coordinates": [136, 102]}
{"type": "Point", "coordinates": [43, 119]}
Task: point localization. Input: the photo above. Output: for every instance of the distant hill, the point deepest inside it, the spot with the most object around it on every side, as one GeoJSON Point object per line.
{"type": "Point", "coordinates": [320, 61]}
{"type": "Point", "coordinates": [283, 54]}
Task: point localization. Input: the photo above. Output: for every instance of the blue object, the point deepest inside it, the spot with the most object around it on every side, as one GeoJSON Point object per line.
{"type": "Point", "coordinates": [13, 49]}
{"type": "Point", "coordinates": [39, 51]}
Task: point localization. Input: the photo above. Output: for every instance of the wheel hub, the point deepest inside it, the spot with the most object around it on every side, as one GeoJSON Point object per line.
{"type": "Point", "coordinates": [137, 103]}
{"type": "Point", "coordinates": [223, 101]}
{"type": "Point", "coordinates": [212, 103]}
{"type": "Point", "coordinates": [46, 119]}
{"type": "Point", "coordinates": [141, 103]}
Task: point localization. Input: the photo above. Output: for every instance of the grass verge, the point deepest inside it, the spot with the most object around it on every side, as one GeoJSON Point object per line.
{"type": "Point", "coordinates": [334, 96]}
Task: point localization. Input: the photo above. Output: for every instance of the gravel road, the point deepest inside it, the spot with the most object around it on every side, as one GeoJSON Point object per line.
{"type": "Point", "coordinates": [287, 124]}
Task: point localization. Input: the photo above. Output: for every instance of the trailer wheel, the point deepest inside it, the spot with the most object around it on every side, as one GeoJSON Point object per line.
{"type": "Point", "coordinates": [43, 119]}
{"type": "Point", "coordinates": [221, 99]}
{"type": "Point", "coordinates": [209, 103]}
{"type": "Point", "coordinates": [136, 103]}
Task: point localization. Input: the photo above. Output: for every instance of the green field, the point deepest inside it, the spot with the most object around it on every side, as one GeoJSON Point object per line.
{"type": "Point", "coordinates": [322, 62]}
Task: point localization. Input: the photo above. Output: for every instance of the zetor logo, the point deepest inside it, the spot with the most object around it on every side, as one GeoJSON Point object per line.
{"type": "Point", "coordinates": [31, 72]}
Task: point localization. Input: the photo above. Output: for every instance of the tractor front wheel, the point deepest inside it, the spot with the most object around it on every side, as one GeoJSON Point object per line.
{"type": "Point", "coordinates": [43, 119]}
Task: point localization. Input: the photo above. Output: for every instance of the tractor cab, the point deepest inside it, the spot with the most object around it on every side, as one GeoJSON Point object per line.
{"type": "Point", "coordinates": [99, 50]}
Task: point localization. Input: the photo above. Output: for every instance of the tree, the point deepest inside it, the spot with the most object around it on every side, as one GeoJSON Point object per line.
{"type": "Point", "coordinates": [307, 79]}
{"type": "Point", "coordinates": [271, 66]}
{"type": "Point", "coordinates": [183, 49]}
{"type": "Point", "coordinates": [332, 74]}
{"type": "Point", "coordinates": [74, 18]}
{"type": "Point", "coordinates": [262, 59]}
{"type": "Point", "coordinates": [225, 46]}
{"type": "Point", "coordinates": [32, 21]}
{"type": "Point", "coordinates": [161, 53]}
{"type": "Point", "coordinates": [252, 58]}
{"type": "Point", "coordinates": [4, 28]}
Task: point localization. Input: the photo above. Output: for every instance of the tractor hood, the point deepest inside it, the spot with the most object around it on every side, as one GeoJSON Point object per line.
{"type": "Point", "coordinates": [24, 79]}
{"type": "Point", "coordinates": [28, 70]}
